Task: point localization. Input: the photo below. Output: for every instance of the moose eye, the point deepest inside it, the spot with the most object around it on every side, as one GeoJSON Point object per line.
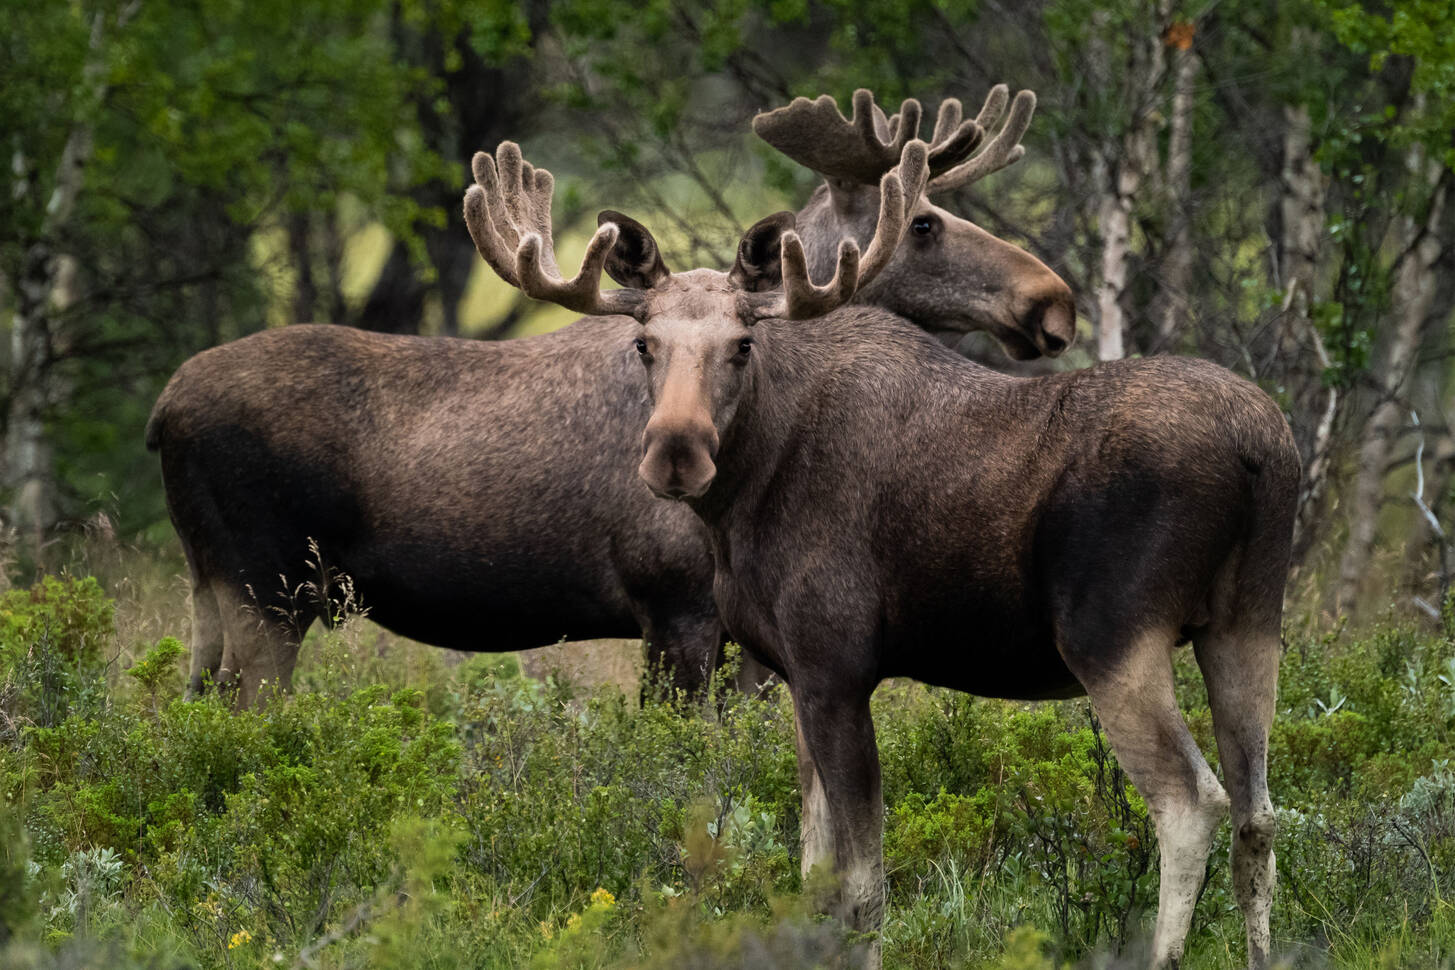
{"type": "Point", "coordinates": [641, 346]}
{"type": "Point", "coordinates": [745, 346]}
{"type": "Point", "coordinates": [922, 225]}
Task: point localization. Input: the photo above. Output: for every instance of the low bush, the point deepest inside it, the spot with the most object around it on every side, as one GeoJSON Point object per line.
{"type": "Point", "coordinates": [406, 807]}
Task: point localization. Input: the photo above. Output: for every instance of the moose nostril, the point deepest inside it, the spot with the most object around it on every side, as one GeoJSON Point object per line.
{"type": "Point", "coordinates": [677, 462]}
{"type": "Point", "coordinates": [1055, 324]}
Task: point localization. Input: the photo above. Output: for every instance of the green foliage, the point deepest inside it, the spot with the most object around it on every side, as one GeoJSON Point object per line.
{"type": "Point", "coordinates": [300, 832]}
{"type": "Point", "coordinates": [1034, 795]}
{"type": "Point", "coordinates": [158, 668]}
{"type": "Point", "coordinates": [207, 124]}
{"type": "Point", "coordinates": [544, 778]}
{"type": "Point", "coordinates": [405, 936]}
{"type": "Point", "coordinates": [502, 822]}
{"type": "Point", "coordinates": [17, 892]}
{"type": "Point", "coordinates": [1359, 762]}
{"type": "Point", "coordinates": [54, 639]}
{"type": "Point", "coordinates": [1423, 32]}
{"type": "Point", "coordinates": [73, 614]}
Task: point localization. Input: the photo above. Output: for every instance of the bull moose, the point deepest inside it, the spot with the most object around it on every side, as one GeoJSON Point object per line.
{"type": "Point", "coordinates": [470, 491]}
{"type": "Point", "coordinates": [878, 506]}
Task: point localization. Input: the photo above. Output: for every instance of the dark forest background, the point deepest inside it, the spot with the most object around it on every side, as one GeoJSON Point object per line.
{"type": "Point", "coordinates": [1261, 183]}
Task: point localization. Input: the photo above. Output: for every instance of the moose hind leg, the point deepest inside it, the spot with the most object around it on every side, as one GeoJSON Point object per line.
{"type": "Point", "coordinates": [260, 647]}
{"type": "Point", "coordinates": [1241, 672]}
{"type": "Point", "coordinates": [207, 639]}
{"type": "Point", "coordinates": [1134, 698]}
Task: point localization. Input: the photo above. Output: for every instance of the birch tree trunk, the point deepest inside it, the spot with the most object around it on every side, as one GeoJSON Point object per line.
{"type": "Point", "coordinates": [1414, 293]}
{"type": "Point", "coordinates": [1120, 172]}
{"type": "Point", "coordinates": [43, 289]}
{"type": "Point", "coordinates": [1302, 219]}
{"type": "Point", "coordinates": [28, 457]}
{"type": "Point", "coordinates": [1114, 216]}
{"type": "Point", "coordinates": [1174, 306]}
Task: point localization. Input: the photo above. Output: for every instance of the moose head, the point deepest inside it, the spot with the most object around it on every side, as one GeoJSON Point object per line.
{"type": "Point", "coordinates": [696, 340]}
{"type": "Point", "coordinates": [949, 274]}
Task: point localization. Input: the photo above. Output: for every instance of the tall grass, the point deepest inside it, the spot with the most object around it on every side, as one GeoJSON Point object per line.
{"type": "Point", "coordinates": [410, 807]}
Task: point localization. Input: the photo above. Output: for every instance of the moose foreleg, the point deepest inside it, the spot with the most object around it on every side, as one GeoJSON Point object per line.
{"type": "Point", "coordinates": [815, 828]}
{"type": "Point", "coordinates": [839, 735]}
{"type": "Point", "coordinates": [687, 645]}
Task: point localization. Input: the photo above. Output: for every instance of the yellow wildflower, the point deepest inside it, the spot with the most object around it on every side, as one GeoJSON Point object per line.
{"type": "Point", "coordinates": [602, 898]}
{"type": "Point", "coordinates": [546, 930]}
{"type": "Point", "coordinates": [238, 939]}
{"type": "Point", "coordinates": [208, 907]}
{"type": "Point", "coordinates": [573, 921]}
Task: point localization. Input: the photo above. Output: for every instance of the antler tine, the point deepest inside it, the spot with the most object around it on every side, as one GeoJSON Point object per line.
{"type": "Point", "coordinates": [898, 191]}
{"type": "Point", "coordinates": [582, 293]}
{"type": "Point", "coordinates": [1002, 150]}
{"type": "Point", "coordinates": [802, 299]}
{"type": "Point", "coordinates": [994, 106]}
{"type": "Point", "coordinates": [495, 238]}
{"type": "Point", "coordinates": [817, 135]}
{"type": "Point", "coordinates": [946, 121]}
{"type": "Point", "coordinates": [508, 213]}
{"type": "Point", "coordinates": [954, 138]}
{"type": "Point", "coordinates": [904, 124]}
{"type": "Point", "coordinates": [526, 192]}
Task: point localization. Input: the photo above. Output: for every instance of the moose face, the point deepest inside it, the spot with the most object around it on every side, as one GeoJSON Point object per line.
{"type": "Point", "coordinates": [951, 275]}
{"type": "Point", "coordinates": [696, 343]}
{"type": "Point", "coordinates": [948, 274]}
{"type": "Point", "coordinates": [697, 347]}
{"type": "Point", "coordinates": [696, 339]}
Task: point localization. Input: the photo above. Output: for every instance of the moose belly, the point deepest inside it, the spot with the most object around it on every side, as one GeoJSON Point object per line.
{"type": "Point", "coordinates": [489, 606]}
{"type": "Point", "coordinates": [986, 652]}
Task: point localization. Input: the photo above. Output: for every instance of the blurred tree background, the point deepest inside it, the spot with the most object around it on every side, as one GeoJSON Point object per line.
{"type": "Point", "coordinates": [1261, 183]}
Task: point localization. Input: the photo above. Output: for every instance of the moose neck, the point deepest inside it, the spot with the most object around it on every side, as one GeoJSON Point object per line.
{"type": "Point", "coordinates": [836, 211]}
{"type": "Point", "coordinates": [775, 395]}
{"type": "Point", "coordinates": [815, 380]}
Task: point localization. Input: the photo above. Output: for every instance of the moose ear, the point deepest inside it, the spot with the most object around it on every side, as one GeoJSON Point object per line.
{"type": "Point", "coordinates": [634, 261]}
{"type": "Point", "coordinates": [759, 265]}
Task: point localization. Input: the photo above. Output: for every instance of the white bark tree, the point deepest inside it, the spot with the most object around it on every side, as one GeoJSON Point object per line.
{"type": "Point", "coordinates": [1176, 276]}
{"type": "Point", "coordinates": [1413, 297]}
{"type": "Point", "coordinates": [1121, 168]}
{"type": "Point", "coordinates": [42, 291]}
{"type": "Point", "coordinates": [1302, 216]}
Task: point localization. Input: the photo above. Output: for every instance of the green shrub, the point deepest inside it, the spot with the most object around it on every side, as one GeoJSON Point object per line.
{"type": "Point", "coordinates": [560, 798]}
{"type": "Point", "coordinates": [299, 841]}
{"type": "Point", "coordinates": [157, 671]}
{"type": "Point", "coordinates": [54, 643]}
{"type": "Point", "coordinates": [17, 890]}
{"type": "Point", "coordinates": [408, 809]}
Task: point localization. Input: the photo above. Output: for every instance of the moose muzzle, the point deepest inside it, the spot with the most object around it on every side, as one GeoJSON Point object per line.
{"type": "Point", "coordinates": [677, 457]}
{"type": "Point", "coordinates": [1050, 313]}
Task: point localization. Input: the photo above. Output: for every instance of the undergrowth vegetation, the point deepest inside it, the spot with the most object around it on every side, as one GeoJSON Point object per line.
{"type": "Point", "coordinates": [408, 807]}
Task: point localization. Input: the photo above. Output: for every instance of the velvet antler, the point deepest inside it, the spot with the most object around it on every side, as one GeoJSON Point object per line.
{"type": "Point", "coordinates": [898, 191]}
{"type": "Point", "coordinates": [508, 213]}
{"type": "Point", "coordinates": [815, 134]}
{"type": "Point", "coordinates": [862, 148]}
{"type": "Point", "coordinates": [1002, 150]}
